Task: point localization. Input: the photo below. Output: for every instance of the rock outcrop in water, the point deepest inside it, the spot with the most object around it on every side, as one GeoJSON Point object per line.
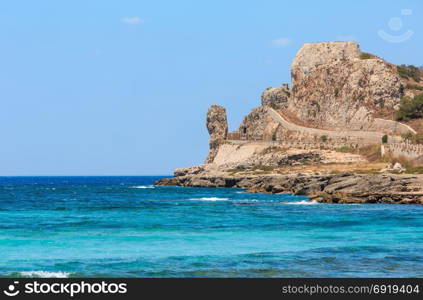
{"type": "Point", "coordinates": [330, 188]}
{"type": "Point", "coordinates": [306, 140]}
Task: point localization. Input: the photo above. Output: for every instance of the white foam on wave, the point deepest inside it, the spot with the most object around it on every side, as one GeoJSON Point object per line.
{"type": "Point", "coordinates": [45, 274]}
{"type": "Point", "coordinates": [143, 187]}
{"type": "Point", "coordinates": [303, 202]}
{"type": "Point", "coordinates": [209, 199]}
{"type": "Point", "coordinates": [246, 200]}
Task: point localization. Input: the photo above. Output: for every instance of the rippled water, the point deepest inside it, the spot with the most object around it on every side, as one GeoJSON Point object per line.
{"type": "Point", "coordinates": [125, 227]}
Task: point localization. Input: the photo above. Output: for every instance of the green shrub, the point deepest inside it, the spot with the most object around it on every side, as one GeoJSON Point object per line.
{"type": "Point", "coordinates": [345, 149]}
{"type": "Point", "coordinates": [324, 138]}
{"type": "Point", "coordinates": [409, 71]}
{"type": "Point", "coordinates": [384, 139]}
{"type": "Point", "coordinates": [262, 168]}
{"type": "Point", "coordinates": [365, 55]}
{"type": "Point", "coordinates": [274, 105]}
{"type": "Point", "coordinates": [274, 136]}
{"type": "Point", "coordinates": [287, 93]}
{"type": "Point", "coordinates": [410, 108]}
{"type": "Point", "coordinates": [415, 170]}
{"type": "Point", "coordinates": [414, 87]}
{"type": "Point", "coordinates": [336, 92]}
{"type": "Point", "coordinates": [237, 170]}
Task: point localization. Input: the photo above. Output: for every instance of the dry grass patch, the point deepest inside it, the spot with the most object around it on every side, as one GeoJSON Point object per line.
{"type": "Point", "coordinates": [371, 152]}
{"type": "Point", "coordinates": [273, 149]}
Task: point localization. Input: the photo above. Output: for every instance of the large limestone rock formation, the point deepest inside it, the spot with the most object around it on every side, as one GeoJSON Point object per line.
{"type": "Point", "coordinates": [312, 55]}
{"type": "Point", "coordinates": [217, 126]}
{"type": "Point", "coordinates": [332, 87]}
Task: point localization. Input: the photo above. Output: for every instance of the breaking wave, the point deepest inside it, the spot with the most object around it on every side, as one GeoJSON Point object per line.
{"type": "Point", "coordinates": [44, 274]}
{"type": "Point", "coordinates": [303, 202]}
{"type": "Point", "coordinates": [209, 199]}
{"type": "Point", "coordinates": [143, 187]}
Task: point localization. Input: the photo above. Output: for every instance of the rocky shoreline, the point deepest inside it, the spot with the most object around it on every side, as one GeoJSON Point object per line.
{"type": "Point", "coordinates": [331, 188]}
{"type": "Point", "coordinates": [324, 137]}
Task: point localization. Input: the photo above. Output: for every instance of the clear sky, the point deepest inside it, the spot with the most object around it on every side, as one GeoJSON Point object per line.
{"type": "Point", "coordinates": [122, 87]}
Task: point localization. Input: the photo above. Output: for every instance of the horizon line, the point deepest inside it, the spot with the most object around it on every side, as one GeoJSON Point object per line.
{"type": "Point", "coordinates": [86, 175]}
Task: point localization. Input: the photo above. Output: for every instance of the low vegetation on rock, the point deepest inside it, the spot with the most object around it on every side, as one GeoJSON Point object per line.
{"type": "Point", "coordinates": [409, 72]}
{"type": "Point", "coordinates": [346, 149]}
{"type": "Point", "coordinates": [384, 139]}
{"type": "Point", "coordinates": [365, 55]}
{"type": "Point", "coordinates": [410, 108]}
{"type": "Point", "coordinates": [274, 105]}
{"type": "Point", "coordinates": [414, 87]}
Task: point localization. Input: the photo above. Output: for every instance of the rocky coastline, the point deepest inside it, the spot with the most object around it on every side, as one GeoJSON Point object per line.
{"type": "Point", "coordinates": [331, 188]}
{"type": "Point", "coordinates": [324, 137]}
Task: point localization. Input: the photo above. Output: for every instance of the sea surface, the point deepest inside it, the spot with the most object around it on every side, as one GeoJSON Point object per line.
{"type": "Point", "coordinates": [127, 227]}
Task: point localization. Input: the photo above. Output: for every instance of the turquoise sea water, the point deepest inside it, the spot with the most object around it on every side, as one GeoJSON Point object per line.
{"type": "Point", "coordinates": [126, 227]}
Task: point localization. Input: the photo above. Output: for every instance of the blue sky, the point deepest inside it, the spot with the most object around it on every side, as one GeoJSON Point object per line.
{"type": "Point", "coordinates": [122, 87]}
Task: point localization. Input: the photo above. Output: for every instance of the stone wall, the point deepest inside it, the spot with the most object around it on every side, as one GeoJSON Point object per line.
{"type": "Point", "coordinates": [265, 123]}
{"type": "Point", "coordinates": [292, 144]}
{"type": "Point", "coordinates": [407, 150]}
{"type": "Point", "coordinates": [360, 136]}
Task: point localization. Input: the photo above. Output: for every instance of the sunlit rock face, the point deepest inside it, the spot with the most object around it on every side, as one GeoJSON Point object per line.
{"type": "Point", "coordinates": [332, 87]}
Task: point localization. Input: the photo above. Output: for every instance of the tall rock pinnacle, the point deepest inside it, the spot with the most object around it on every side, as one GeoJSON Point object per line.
{"type": "Point", "coordinates": [217, 126]}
